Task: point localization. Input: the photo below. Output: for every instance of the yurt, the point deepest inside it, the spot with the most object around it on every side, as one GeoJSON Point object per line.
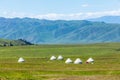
{"type": "Point", "coordinates": [52, 58]}
{"type": "Point", "coordinates": [78, 61]}
{"type": "Point", "coordinates": [68, 61]}
{"type": "Point", "coordinates": [60, 57]}
{"type": "Point", "coordinates": [90, 60]}
{"type": "Point", "coordinates": [20, 60]}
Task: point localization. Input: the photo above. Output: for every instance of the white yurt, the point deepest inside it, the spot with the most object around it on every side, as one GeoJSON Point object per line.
{"type": "Point", "coordinates": [52, 58]}
{"type": "Point", "coordinates": [20, 60]}
{"type": "Point", "coordinates": [60, 57]}
{"type": "Point", "coordinates": [90, 60]}
{"type": "Point", "coordinates": [68, 61]}
{"type": "Point", "coordinates": [78, 61]}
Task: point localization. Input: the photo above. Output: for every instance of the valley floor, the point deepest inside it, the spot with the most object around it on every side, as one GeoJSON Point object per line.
{"type": "Point", "coordinates": [37, 65]}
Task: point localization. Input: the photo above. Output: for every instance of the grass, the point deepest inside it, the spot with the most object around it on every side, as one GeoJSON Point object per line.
{"type": "Point", "coordinates": [37, 65]}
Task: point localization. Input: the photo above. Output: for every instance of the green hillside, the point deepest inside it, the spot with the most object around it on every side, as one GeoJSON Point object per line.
{"type": "Point", "coordinates": [19, 42]}
{"type": "Point", "coordinates": [37, 65]}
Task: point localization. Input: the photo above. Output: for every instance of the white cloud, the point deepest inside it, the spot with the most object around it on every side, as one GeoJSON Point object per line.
{"type": "Point", "coordinates": [55, 16]}
{"type": "Point", "coordinates": [84, 5]}
{"type": "Point", "coordinates": [9, 14]}
{"type": "Point", "coordinates": [49, 16]}
{"type": "Point", "coordinates": [78, 16]}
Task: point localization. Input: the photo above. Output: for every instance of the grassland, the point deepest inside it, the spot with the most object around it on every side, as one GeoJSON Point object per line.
{"type": "Point", "coordinates": [37, 65]}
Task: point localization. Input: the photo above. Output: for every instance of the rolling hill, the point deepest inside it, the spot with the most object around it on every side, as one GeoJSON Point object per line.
{"type": "Point", "coordinates": [19, 42]}
{"type": "Point", "coordinates": [58, 31]}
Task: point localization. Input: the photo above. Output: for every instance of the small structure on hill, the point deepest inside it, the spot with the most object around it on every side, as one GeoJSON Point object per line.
{"type": "Point", "coordinates": [90, 60]}
{"type": "Point", "coordinates": [60, 57]}
{"type": "Point", "coordinates": [68, 61]}
{"type": "Point", "coordinates": [78, 61]}
{"type": "Point", "coordinates": [20, 60]}
{"type": "Point", "coordinates": [53, 58]}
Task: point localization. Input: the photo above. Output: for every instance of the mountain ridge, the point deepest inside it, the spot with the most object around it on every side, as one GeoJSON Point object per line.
{"type": "Point", "coordinates": [107, 19]}
{"type": "Point", "coordinates": [58, 31]}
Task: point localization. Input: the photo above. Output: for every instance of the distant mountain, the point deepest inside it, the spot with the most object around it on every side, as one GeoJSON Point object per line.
{"type": "Point", "coordinates": [19, 42]}
{"type": "Point", "coordinates": [107, 19]}
{"type": "Point", "coordinates": [58, 31]}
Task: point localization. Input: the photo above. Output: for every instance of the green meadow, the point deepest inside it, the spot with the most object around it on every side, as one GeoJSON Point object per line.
{"type": "Point", "coordinates": [37, 65]}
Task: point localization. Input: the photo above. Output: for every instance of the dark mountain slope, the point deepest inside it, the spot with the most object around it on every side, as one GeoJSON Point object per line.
{"type": "Point", "coordinates": [19, 42]}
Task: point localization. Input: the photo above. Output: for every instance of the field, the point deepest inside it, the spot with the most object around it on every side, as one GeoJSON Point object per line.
{"type": "Point", "coordinates": [37, 65]}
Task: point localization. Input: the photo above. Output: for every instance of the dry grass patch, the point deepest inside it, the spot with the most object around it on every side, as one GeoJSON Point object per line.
{"type": "Point", "coordinates": [107, 77]}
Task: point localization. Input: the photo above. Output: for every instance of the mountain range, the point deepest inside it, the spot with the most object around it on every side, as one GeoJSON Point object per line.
{"type": "Point", "coordinates": [59, 31]}
{"type": "Point", "coordinates": [107, 19]}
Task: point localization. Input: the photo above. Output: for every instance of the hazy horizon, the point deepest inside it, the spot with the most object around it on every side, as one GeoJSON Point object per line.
{"type": "Point", "coordinates": [59, 10]}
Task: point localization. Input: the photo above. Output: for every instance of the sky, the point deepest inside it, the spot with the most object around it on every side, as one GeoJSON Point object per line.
{"type": "Point", "coordinates": [59, 9]}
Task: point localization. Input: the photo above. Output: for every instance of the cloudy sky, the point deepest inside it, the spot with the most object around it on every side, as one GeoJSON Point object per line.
{"type": "Point", "coordinates": [59, 9]}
